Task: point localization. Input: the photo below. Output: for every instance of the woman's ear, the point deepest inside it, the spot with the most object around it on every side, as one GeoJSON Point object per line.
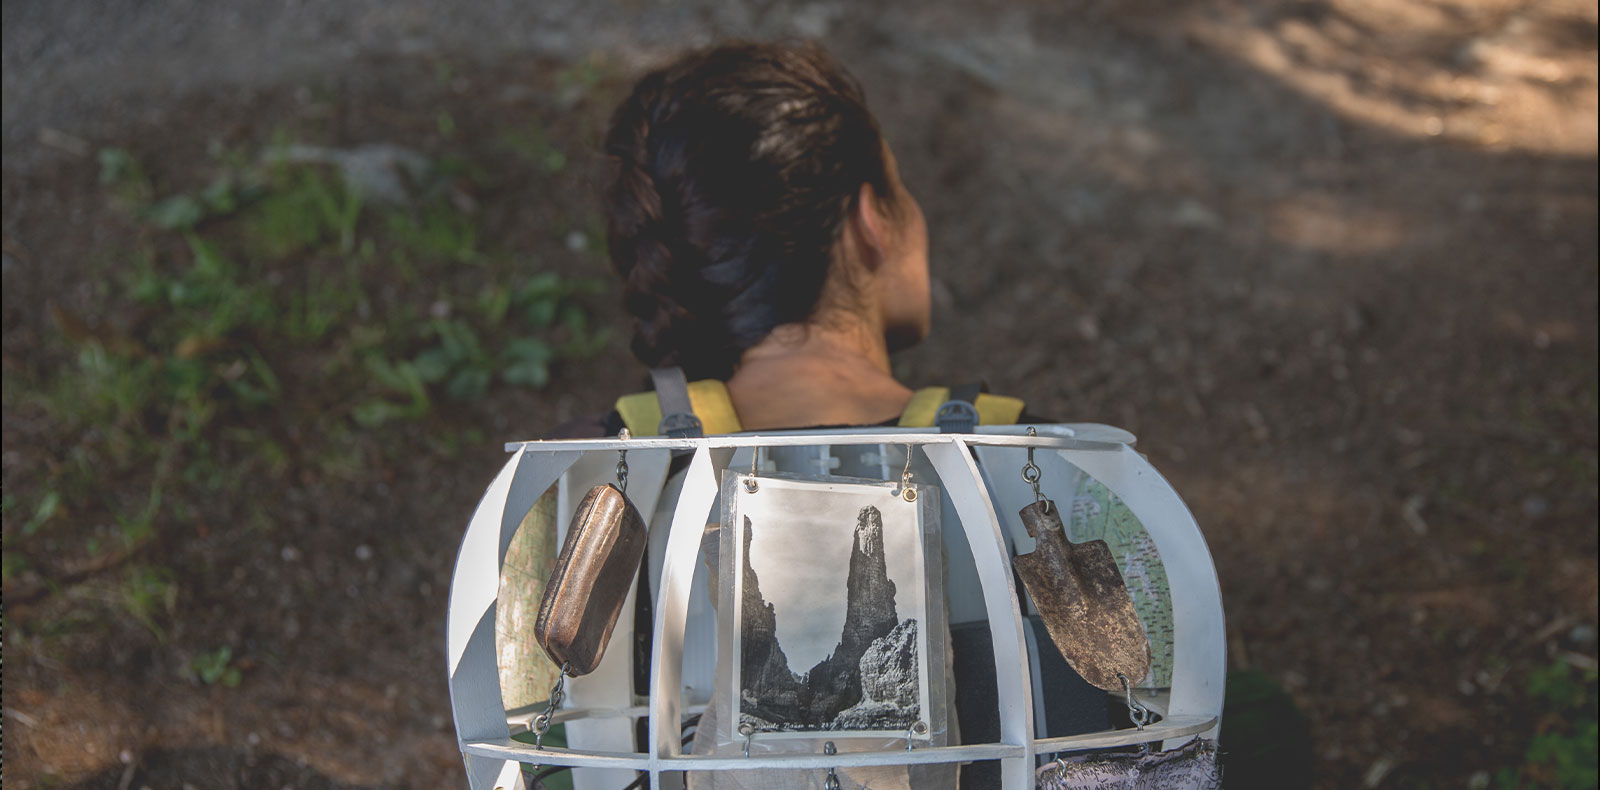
{"type": "Point", "coordinates": [871, 228]}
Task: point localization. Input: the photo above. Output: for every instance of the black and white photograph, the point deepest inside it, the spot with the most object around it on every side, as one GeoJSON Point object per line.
{"type": "Point", "coordinates": [831, 609]}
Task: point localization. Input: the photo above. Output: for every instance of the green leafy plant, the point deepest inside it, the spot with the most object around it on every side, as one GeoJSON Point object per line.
{"type": "Point", "coordinates": [123, 176]}
{"type": "Point", "coordinates": [215, 667]}
{"type": "Point", "coordinates": [149, 593]}
{"type": "Point", "coordinates": [48, 505]}
{"type": "Point", "coordinates": [183, 211]}
{"type": "Point", "coordinates": [396, 378]}
{"type": "Point", "coordinates": [436, 233]}
{"type": "Point", "coordinates": [300, 207]}
{"type": "Point", "coordinates": [545, 308]}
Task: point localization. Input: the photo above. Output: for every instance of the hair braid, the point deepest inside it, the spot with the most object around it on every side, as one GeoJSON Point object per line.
{"type": "Point", "coordinates": [732, 171]}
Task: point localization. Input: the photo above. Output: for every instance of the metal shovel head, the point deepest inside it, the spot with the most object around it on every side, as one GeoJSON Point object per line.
{"type": "Point", "coordinates": [1085, 606]}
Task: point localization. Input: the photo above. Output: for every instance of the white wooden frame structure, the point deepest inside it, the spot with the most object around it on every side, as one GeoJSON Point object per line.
{"type": "Point", "coordinates": [1193, 706]}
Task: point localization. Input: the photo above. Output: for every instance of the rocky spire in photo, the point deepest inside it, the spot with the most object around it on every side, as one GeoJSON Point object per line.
{"type": "Point", "coordinates": [834, 684]}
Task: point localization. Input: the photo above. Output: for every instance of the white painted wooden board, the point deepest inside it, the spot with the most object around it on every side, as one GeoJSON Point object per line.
{"type": "Point", "coordinates": [672, 609]}
{"type": "Point", "coordinates": [959, 475]}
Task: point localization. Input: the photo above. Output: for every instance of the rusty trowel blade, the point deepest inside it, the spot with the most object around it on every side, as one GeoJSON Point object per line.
{"type": "Point", "coordinates": [1084, 603]}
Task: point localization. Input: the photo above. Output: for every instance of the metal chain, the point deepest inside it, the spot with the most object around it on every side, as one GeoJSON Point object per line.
{"type": "Point", "coordinates": [541, 722]}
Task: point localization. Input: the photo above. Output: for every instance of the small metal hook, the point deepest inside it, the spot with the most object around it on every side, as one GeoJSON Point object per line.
{"type": "Point", "coordinates": [749, 732]}
{"type": "Point", "coordinates": [750, 484]}
{"type": "Point", "coordinates": [1137, 712]}
{"type": "Point", "coordinates": [622, 462]}
{"type": "Point", "coordinates": [907, 493]}
{"type": "Point", "coordinates": [1032, 474]}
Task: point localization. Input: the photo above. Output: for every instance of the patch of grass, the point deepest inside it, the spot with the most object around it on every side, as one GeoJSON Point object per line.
{"type": "Point", "coordinates": [267, 322]}
{"type": "Point", "coordinates": [300, 208]}
{"type": "Point", "coordinates": [1563, 751]}
{"type": "Point", "coordinates": [534, 146]}
{"type": "Point", "coordinates": [215, 667]}
{"type": "Point", "coordinates": [46, 510]}
{"type": "Point", "coordinates": [149, 595]}
{"type": "Point", "coordinates": [436, 233]}
{"type": "Point", "coordinates": [122, 176]}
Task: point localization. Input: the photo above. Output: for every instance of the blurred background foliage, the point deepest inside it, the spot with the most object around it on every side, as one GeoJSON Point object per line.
{"type": "Point", "coordinates": [262, 319]}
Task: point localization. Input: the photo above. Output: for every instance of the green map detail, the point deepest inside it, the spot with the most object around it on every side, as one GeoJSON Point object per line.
{"type": "Point", "coordinates": [1097, 514]}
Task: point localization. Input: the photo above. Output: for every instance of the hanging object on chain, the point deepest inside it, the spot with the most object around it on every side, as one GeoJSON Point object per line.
{"type": "Point", "coordinates": [1080, 595]}
{"type": "Point", "coordinates": [592, 576]}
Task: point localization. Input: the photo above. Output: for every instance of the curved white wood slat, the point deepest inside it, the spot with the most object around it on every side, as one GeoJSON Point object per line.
{"type": "Point", "coordinates": [522, 721]}
{"type": "Point", "coordinates": [1166, 729]}
{"type": "Point", "coordinates": [517, 751]}
{"type": "Point", "coordinates": [1105, 440]}
{"type": "Point", "coordinates": [507, 749]}
{"type": "Point", "coordinates": [1199, 649]}
{"type": "Point", "coordinates": [672, 608]}
{"type": "Point", "coordinates": [475, 696]}
{"type": "Point", "coordinates": [959, 475]}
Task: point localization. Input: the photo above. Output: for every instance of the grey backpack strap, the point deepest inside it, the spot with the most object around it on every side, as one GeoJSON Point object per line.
{"type": "Point", "coordinates": [677, 413]}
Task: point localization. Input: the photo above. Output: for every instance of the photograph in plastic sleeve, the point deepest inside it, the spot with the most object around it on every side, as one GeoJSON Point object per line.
{"type": "Point", "coordinates": [831, 618]}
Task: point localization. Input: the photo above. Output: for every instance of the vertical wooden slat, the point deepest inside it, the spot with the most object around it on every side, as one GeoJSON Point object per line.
{"type": "Point", "coordinates": [959, 475]}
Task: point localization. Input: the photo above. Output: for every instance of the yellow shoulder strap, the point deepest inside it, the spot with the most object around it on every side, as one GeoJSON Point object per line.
{"type": "Point", "coordinates": [992, 409]}
{"type": "Point", "coordinates": [641, 412]}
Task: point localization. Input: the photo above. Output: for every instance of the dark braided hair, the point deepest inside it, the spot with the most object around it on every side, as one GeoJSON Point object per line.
{"type": "Point", "coordinates": [733, 171]}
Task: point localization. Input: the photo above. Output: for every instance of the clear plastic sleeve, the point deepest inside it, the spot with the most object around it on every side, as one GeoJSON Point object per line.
{"type": "Point", "coordinates": [832, 592]}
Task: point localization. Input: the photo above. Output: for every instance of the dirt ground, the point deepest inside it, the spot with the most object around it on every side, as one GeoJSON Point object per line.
{"type": "Point", "coordinates": [1333, 261]}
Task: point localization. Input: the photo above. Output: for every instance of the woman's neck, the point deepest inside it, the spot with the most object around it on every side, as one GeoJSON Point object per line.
{"type": "Point", "coordinates": [820, 373]}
